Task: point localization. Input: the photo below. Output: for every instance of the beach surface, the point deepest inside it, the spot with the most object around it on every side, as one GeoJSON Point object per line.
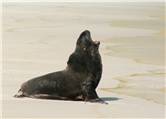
{"type": "Point", "coordinates": [39, 37]}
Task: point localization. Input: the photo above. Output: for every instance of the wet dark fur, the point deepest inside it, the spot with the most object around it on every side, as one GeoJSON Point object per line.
{"type": "Point", "coordinates": [77, 82]}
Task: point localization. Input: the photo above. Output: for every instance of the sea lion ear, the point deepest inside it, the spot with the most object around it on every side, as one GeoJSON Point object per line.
{"type": "Point", "coordinates": [84, 37]}
{"type": "Point", "coordinates": [97, 43]}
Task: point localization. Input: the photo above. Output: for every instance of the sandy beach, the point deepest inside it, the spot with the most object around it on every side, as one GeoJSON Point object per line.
{"type": "Point", "coordinates": [39, 37]}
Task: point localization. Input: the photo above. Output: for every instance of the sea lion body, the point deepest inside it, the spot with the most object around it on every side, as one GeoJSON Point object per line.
{"type": "Point", "coordinates": [61, 85]}
{"type": "Point", "coordinates": [77, 82]}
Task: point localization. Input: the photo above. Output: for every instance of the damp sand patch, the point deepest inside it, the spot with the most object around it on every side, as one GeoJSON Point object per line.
{"type": "Point", "coordinates": [149, 86]}
{"type": "Point", "coordinates": [142, 49]}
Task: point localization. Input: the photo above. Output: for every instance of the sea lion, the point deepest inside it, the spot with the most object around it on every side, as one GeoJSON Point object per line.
{"type": "Point", "coordinates": [77, 82]}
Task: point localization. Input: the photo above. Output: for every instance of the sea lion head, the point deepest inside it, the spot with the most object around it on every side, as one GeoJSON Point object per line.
{"type": "Point", "coordinates": [85, 44]}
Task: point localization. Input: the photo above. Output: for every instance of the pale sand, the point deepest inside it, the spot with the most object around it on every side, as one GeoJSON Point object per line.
{"type": "Point", "coordinates": [38, 38]}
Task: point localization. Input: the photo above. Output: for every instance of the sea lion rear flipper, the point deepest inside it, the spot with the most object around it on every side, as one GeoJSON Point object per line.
{"type": "Point", "coordinates": [19, 94]}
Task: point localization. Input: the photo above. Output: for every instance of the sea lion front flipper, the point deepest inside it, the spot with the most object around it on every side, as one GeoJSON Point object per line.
{"type": "Point", "coordinates": [97, 100]}
{"type": "Point", "coordinates": [89, 92]}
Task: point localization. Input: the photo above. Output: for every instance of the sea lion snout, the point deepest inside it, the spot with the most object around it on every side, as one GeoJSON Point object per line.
{"type": "Point", "coordinates": [86, 33]}
{"type": "Point", "coordinates": [84, 39]}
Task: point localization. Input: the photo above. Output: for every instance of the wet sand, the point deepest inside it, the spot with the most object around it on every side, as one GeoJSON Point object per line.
{"type": "Point", "coordinates": [39, 37]}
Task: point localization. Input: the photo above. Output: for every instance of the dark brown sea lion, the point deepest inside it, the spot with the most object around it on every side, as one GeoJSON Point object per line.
{"type": "Point", "coordinates": [77, 82]}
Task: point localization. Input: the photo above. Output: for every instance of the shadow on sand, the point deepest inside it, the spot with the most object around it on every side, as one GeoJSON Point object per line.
{"type": "Point", "coordinates": [110, 98]}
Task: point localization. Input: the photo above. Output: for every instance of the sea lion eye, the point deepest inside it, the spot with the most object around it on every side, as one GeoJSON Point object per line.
{"type": "Point", "coordinates": [84, 49]}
